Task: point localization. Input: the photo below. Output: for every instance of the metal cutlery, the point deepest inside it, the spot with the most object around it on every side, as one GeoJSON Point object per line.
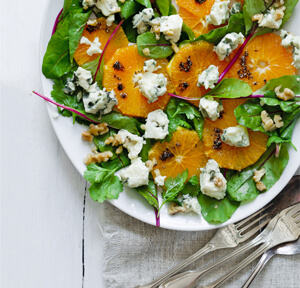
{"type": "Point", "coordinates": [283, 249]}
{"type": "Point", "coordinates": [284, 227]}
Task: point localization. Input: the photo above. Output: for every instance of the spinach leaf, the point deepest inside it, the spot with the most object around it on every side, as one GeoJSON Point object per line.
{"type": "Point", "coordinates": [198, 125]}
{"type": "Point", "coordinates": [242, 187]}
{"type": "Point", "coordinates": [231, 88]}
{"type": "Point", "coordinates": [158, 48]}
{"type": "Point", "coordinates": [287, 81]}
{"type": "Point", "coordinates": [217, 211]}
{"type": "Point", "coordinates": [145, 3]}
{"type": "Point", "coordinates": [290, 5]}
{"type": "Point", "coordinates": [129, 8]}
{"type": "Point", "coordinates": [149, 193]}
{"type": "Point", "coordinates": [104, 184]}
{"type": "Point", "coordinates": [130, 33]}
{"type": "Point", "coordinates": [192, 186]}
{"type": "Point", "coordinates": [77, 25]}
{"type": "Point", "coordinates": [146, 148]}
{"type": "Point", "coordinates": [186, 33]}
{"type": "Point", "coordinates": [118, 163]}
{"type": "Point", "coordinates": [190, 111]}
{"type": "Point", "coordinates": [172, 10]}
{"type": "Point", "coordinates": [92, 66]}
{"type": "Point", "coordinates": [164, 7]}
{"type": "Point", "coordinates": [235, 24]}
{"type": "Point", "coordinates": [250, 8]}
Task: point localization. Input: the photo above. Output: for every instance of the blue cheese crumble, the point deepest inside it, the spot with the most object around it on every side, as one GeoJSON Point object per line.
{"type": "Point", "coordinates": [171, 27]}
{"type": "Point", "coordinates": [132, 143]}
{"type": "Point", "coordinates": [210, 108]}
{"type": "Point", "coordinates": [152, 85]}
{"type": "Point", "coordinates": [290, 40]}
{"type": "Point", "coordinates": [229, 42]}
{"type": "Point", "coordinates": [141, 21]}
{"type": "Point", "coordinates": [94, 46]}
{"type": "Point", "coordinates": [236, 136]}
{"type": "Point", "coordinates": [212, 181]}
{"type": "Point", "coordinates": [83, 78]}
{"type": "Point", "coordinates": [136, 174]}
{"type": "Point", "coordinates": [157, 124]}
{"type": "Point", "coordinates": [150, 66]}
{"type": "Point", "coordinates": [191, 204]}
{"type": "Point", "coordinates": [236, 8]}
{"type": "Point", "coordinates": [271, 19]}
{"type": "Point", "coordinates": [209, 77]}
{"type": "Point", "coordinates": [219, 13]}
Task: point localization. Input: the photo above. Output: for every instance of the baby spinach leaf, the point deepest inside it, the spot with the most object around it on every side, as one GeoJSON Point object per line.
{"type": "Point", "coordinates": [287, 81]}
{"type": "Point", "coordinates": [158, 48]}
{"type": "Point", "coordinates": [92, 66]}
{"type": "Point", "coordinates": [129, 31]}
{"type": "Point", "coordinates": [129, 8]}
{"type": "Point", "coordinates": [146, 148]}
{"type": "Point", "coordinates": [290, 5]}
{"type": "Point", "coordinates": [186, 33]}
{"type": "Point", "coordinates": [217, 211]}
{"type": "Point", "coordinates": [231, 88]}
{"type": "Point", "coordinates": [235, 24]}
{"type": "Point", "coordinates": [145, 3]}
{"type": "Point", "coordinates": [198, 125]}
{"type": "Point", "coordinates": [163, 6]}
{"type": "Point", "coordinates": [190, 111]}
{"type": "Point", "coordinates": [149, 193]}
{"type": "Point", "coordinates": [118, 163]}
{"type": "Point", "coordinates": [250, 8]}
{"type": "Point", "coordinates": [192, 186]}
{"type": "Point", "coordinates": [172, 10]}
{"type": "Point", "coordinates": [76, 28]}
{"type": "Point", "coordinates": [105, 185]}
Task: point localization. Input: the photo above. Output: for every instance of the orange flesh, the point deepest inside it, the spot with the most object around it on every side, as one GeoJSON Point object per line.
{"type": "Point", "coordinates": [188, 151]}
{"type": "Point", "coordinates": [131, 102]}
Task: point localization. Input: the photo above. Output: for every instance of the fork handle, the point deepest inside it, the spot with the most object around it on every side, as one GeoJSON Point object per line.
{"type": "Point", "coordinates": [260, 265]}
{"type": "Point", "coordinates": [155, 283]}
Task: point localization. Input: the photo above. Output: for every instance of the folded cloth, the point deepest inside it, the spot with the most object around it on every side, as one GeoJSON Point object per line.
{"type": "Point", "coordinates": [136, 253]}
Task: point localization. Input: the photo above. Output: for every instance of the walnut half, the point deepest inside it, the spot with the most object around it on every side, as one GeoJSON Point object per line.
{"type": "Point", "coordinates": [286, 95]}
{"type": "Point", "coordinates": [174, 208]}
{"type": "Point", "coordinates": [97, 157]}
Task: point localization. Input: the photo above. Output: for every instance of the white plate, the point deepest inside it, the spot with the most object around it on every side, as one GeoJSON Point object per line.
{"type": "Point", "coordinates": [130, 201]}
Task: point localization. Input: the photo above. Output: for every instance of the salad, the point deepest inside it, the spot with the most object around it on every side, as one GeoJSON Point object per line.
{"type": "Point", "coordinates": [192, 104]}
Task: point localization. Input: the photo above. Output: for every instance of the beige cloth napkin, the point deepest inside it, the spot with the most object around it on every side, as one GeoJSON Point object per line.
{"type": "Point", "coordinates": [136, 253]}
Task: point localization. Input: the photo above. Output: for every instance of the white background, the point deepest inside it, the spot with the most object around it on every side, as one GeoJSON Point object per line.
{"type": "Point", "coordinates": [42, 194]}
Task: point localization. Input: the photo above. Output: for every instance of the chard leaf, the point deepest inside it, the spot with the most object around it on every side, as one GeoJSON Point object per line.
{"type": "Point", "coordinates": [192, 186]}
{"type": "Point", "coordinates": [105, 185]}
{"type": "Point", "coordinates": [130, 33]}
{"type": "Point", "coordinates": [235, 24]}
{"type": "Point", "coordinates": [242, 187]}
{"type": "Point", "coordinates": [290, 5]}
{"type": "Point", "coordinates": [250, 8]}
{"type": "Point", "coordinates": [287, 81]}
{"type": "Point", "coordinates": [231, 88]}
{"type": "Point", "coordinates": [76, 28]}
{"type": "Point", "coordinates": [149, 193]}
{"type": "Point", "coordinates": [164, 7]}
{"type": "Point", "coordinates": [92, 66]}
{"type": "Point", "coordinates": [158, 48]}
{"type": "Point", "coordinates": [129, 8]}
{"type": "Point", "coordinates": [217, 211]}
{"type": "Point", "coordinates": [145, 3]}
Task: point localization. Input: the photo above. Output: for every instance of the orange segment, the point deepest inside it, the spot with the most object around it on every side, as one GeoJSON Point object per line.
{"type": "Point", "coordinates": [198, 9]}
{"type": "Point", "coordinates": [188, 63]}
{"type": "Point", "coordinates": [130, 100]}
{"type": "Point", "coordinates": [266, 59]}
{"type": "Point", "coordinates": [187, 150]}
{"type": "Point", "coordinates": [119, 40]}
{"type": "Point", "coordinates": [228, 156]}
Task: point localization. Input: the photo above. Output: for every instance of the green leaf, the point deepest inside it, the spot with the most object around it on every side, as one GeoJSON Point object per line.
{"type": "Point", "coordinates": [149, 193]}
{"type": "Point", "coordinates": [198, 125]}
{"type": "Point", "coordinates": [173, 187]}
{"type": "Point", "coordinates": [145, 3]}
{"type": "Point", "coordinates": [250, 8]}
{"type": "Point", "coordinates": [186, 33]}
{"type": "Point", "coordinates": [231, 88]}
{"type": "Point", "coordinates": [76, 28]}
{"type": "Point", "coordinates": [118, 163]}
{"type": "Point", "coordinates": [129, 8]}
{"type": "Point", "coordinates": [92, 66]}
{"type": "Point", "coordinates": [146, 148]}
{"type": "Point", "coordinates": [235, 24]}
{"type": "Point", "coordinates": [172, 10]}
{"type": "Point", "coordinates": [192, 187]}
{"type": "Point", "coordinates": [190, 111]}
{"type": "Point", "coordinates": [158, 48]}
{"type": "Point", "coordinates": [290, 5]}
{"type": "Point", "coordinates": [217, 211]}
{"type": "Point", "coordinates": [163, 6]}
{"type": "Point", "coordinates": [130, 33]}
{"type": "Point", "coordinates": [287, 81]}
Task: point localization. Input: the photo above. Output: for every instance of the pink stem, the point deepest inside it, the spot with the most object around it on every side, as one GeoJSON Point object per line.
{"type": "Point", "coordinates": [56, 21]}
{"type": "Point", "coordinates": [277, 150]}
{"type": "Point", "coordinates": [65, 107]}
{"type": "Point", "coordinates": [182, 97]}
{"type": "Point", "coordinates": [103, 51]}
{"type": "Point", "coordinates": [236, 56]}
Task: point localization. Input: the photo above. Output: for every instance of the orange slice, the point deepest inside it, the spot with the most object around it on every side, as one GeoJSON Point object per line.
{"type": "Point", "coordinates": [103, 32]}
{"type": "Point", "coordinates": [228, 156]}
{"type": "Point", "coordinates": [184, 151]}
{"type": "Point", "coordinates": [130, 100]}
{"type": "Point", "coordinates": [188, 63]}
{"type": "Point", "coordinates": [262, 59]}
{"type": "Point", "coordinates": [196, 7]}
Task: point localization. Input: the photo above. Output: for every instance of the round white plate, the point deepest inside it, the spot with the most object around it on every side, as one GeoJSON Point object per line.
{"type": "Point", "coordinates": [130, 201]}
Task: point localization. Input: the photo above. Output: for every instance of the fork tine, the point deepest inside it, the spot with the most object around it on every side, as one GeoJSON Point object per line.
{"type": "Point", "coordinates": [243, 229]}
{"type": "Point", "coordinates": [295, 209]}
{"type": "Point", "coordinates": [255, 229]}
{"type": "Point", "coordinates": [241, 223]}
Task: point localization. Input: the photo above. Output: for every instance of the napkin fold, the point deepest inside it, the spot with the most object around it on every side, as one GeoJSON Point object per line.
{"type": "Point", "coordinates": [136, 253]}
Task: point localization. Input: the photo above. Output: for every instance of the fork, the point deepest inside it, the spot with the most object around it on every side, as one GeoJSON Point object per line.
{"type": "Point", "coordinates": [226, 237]}
{"type": "Point", "coordinates": [283, 249]}
{"type": "Point", "coordinates": [288, 221]}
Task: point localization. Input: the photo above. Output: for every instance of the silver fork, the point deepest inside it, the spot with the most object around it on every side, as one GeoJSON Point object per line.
{"type": "Point", "coordinates": [270, 237]}
{"type": "Point", "coordinates": [291, 248]}
{"type": "Point", "coordinates": [226, 237]}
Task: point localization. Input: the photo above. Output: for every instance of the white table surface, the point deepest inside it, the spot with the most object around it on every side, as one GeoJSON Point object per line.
{"type": "Point", "coordinates": [43, 222]}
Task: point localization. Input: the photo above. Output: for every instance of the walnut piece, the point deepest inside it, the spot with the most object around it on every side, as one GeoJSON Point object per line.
{"type": "Point", "coordinates": [119, 150]}
{"type": "Point", "coordinates": [175, 47]}
{"type": "Point", "coordinates": [257, 17]}
{"type": "Point", "coordinates": [99, 129]}
{"type": "Point", "coordinates": [115, 140]}
{"type": "Point", "coordinates": [87, 136]}
{"type": "Point", "coordinates": [278, 3]}
{"type": "Point", "coordinates": [150, 164]}
{"type": "Point", "coordinates": [278, 121]}
{"type": "Point", "coordinates": [267, 122]}
{"type": "Point", "coordinates": [146, 51]}
{"type": "Point", "coordinates": [218, 182]}
{"type": "Point", "coordinates": [174, 208]}
{"type": "Point", "coordinates": [286, 95]}
{"type": "Point", "coordinates": [279, 13]}
{"type": "Point", "coordinates": [260, 186]}
{"type": "Point", "coordinates": [258, 174]}
{"type": "Point", "coordinates": [97, 157]}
